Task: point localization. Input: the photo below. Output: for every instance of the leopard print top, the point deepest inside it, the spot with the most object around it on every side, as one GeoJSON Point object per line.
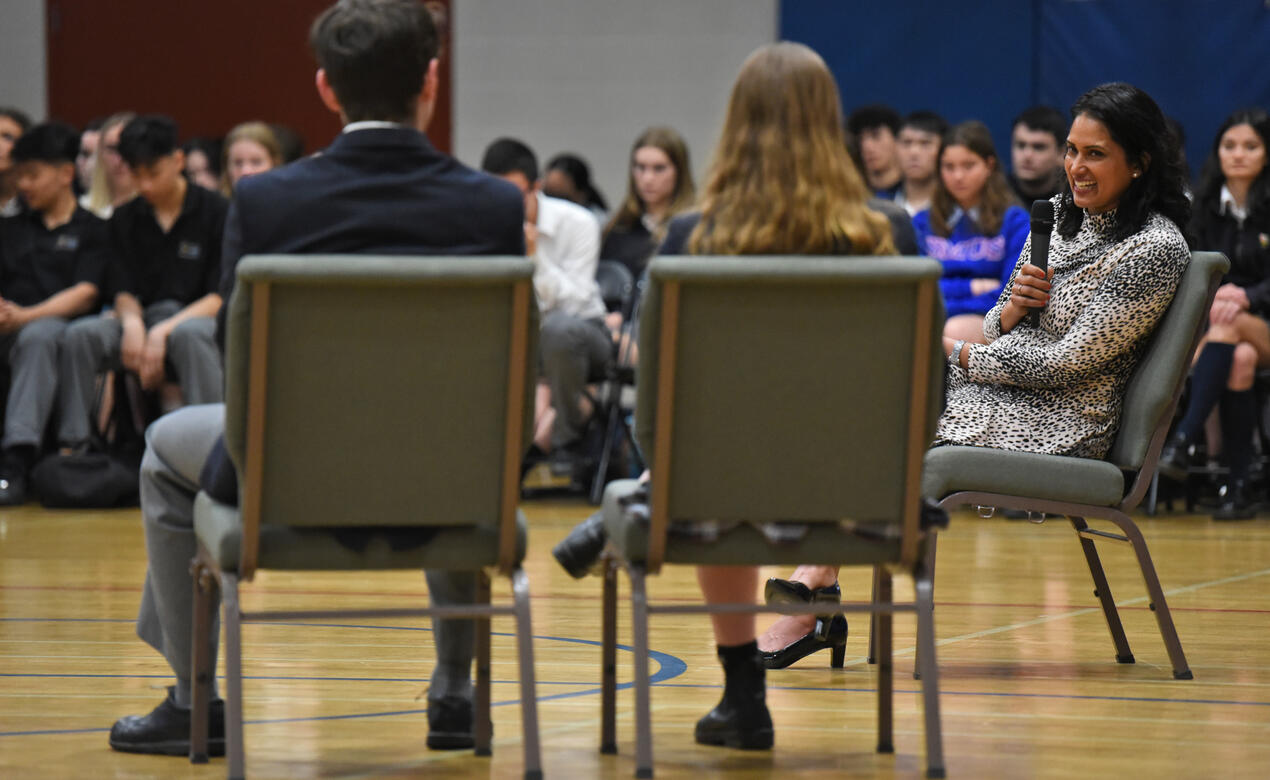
{"type": "Point", "coordinates": [1057, 389]}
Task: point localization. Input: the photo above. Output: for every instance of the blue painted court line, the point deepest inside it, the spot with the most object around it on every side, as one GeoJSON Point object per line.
{"type": "Point", "coordinates": [668, 668]}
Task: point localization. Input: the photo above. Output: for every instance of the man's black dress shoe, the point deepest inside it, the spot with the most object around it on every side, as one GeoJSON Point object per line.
{"type": "Point", "coordinates": [450, 723]}
{"type": "Point", "coordinates": [166, 730]}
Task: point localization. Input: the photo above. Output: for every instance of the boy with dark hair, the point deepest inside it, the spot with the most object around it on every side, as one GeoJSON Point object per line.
{"type": "Point", "coordinates": [13, 123]}
{"type": "Point", "coordinates": [1038, 141]}
{"type": "Point", "coordinates": [379, 188]}
{"type": "Point", "coordinates": [873, 129]}
{"type": "Point", "coordinates": [52, 264]}
{"type": "Point", "coordinates": [563, 240]}
{"type": "Point", "coordinates": [921, 134]}
{"type": "Point", "coordinates": [164, 276]}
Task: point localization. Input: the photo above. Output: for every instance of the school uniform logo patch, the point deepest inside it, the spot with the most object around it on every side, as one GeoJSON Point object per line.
{"type": "Point", "coordinates": [66, 243]}
{"type": "Point", "coordinates": [188, 250]}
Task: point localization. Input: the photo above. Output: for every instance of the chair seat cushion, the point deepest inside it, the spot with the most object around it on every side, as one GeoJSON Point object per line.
{"type": "Point", "coordinates": [219, 529]}
{"type": "Point", "coordinates": [953, 469]}
{"type": "Point", "coordinates": [743, 544]}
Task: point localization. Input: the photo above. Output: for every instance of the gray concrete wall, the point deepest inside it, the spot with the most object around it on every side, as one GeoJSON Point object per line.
{"type": "Point", "coordinates": [586, 76]}
{"type": "Point", "coordinates": [23, 71]}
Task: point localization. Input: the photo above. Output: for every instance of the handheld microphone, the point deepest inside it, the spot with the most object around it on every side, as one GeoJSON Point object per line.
{"type": "Point", "coordinates": [1042, 226]}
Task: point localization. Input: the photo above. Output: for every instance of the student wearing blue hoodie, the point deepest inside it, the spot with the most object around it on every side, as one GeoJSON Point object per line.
{"type": "Point", "coordinates": [974, 227]}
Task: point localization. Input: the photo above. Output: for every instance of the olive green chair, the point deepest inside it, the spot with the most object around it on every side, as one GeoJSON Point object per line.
{"type": "Point", "coordinates": [1110, 489]}
{"type": "Point", "coordinates": [780, 397]}
{"type": "Point", "coordinates": [377, 410]}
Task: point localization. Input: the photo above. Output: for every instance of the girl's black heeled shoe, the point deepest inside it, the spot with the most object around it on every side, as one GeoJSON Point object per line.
{"type": "Point", "coordinates": [829, 632]}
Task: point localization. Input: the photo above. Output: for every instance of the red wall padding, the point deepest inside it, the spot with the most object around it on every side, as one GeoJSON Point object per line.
{"type": "Point", "coordinates": [208, 65]}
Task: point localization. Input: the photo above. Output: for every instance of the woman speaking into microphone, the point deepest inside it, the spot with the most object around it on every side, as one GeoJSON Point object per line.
{"type": "Point", "coordinates": [1055, 385]}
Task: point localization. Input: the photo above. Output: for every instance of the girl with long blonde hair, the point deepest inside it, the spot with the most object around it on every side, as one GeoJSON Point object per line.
{"type": "Point", "coordinates": [659, 186]}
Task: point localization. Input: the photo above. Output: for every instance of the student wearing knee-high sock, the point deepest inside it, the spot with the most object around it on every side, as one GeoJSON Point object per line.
{"type": "Point", "coordinates": [1232, 216]}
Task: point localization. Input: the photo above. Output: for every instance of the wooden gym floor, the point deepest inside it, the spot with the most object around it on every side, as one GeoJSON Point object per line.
{"type": "Point", "coordinates": [1030, 685]}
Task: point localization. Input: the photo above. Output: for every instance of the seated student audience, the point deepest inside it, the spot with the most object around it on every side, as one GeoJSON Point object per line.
{"type": "Point", "coordinates": [249, 148]}
{"type": "Point", "coordinates": [1231, 215]}
{"type": "Point", "coordinates": [569, 177]}
{"type": "Point", "coordinates": [1116, 257]}
{"type": "Point", "coordinates": [165, 275]}
{"type": "Point", "coordinates": [872, 130]}
{"type": "Point", "coordinates": [52, 264]}
{"type": "Point", "coordinates": [973, 226]}
{"type": "Point", "coordinates": [112, 179]}
{"type": "Point", "coordinates": [13, 123]}
{"type": "Point", "coordinates": [86, 159]}
{"type": "Point", "coordinates": [660, 186]}
{"type": "Point", "coordinates": [575, 347]}
{"type": "Point", "coordinates": [202, 163]}
{"type": "Point", "coordinates": [921, 134]}
{"type": "Point", "coordinates": [1037, 140]}
{"type": "Point", "coordinates": [783, 115]}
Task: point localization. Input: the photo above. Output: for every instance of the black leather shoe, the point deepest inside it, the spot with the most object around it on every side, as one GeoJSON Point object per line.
{"type": "Point", "coordinates": [829, 632]}
{"type": "Point", "coordinates": [166, 730]}
{"type": "Point", "coordinates": [12, 484]}
{"type": "Point", "coordinates": [450, 723]}
{"type": "Point", "coordinates": [1176, 457]}
{"type": "Point", "coordinates": [1239, 503]}
{"type": "Point", "coordinates": [741, 719]}
{"type": "Point", "coordinates": [580, 550]}
{"type": "Point", "coordinates": [778, 591]}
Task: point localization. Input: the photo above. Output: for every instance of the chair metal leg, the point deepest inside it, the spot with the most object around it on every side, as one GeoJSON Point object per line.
{"type": "Point", "coordinates": [925, 599]}
{"type": "Point", "coordinates": [200, 661]}
{"type": "Point", "coordinates": [1103, 591]}
{"type": "Point", "coordinates": [234, 749]}
{"type": "Point", "coordinates": [528, 687]}
{"type": "Point", "coordinates": [872, 657]}
{"type": "Point", "coordinates": [482, 729]}
{"type": "Point", "coordinates": [1181, 670]}
{"type": "Point", "coordinates": [608, 663]}
{"type": "Point", "coordinates": [614, 400]}
{"type": "Point", "coordinates": [643, 716]}
{"type": "Point", "coordinates": [932, 539]}
{"type": "Point", "coordinates": [882, 636]}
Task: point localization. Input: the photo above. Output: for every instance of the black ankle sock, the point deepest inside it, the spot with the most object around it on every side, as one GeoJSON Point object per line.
{"type": "Point", "coordinates": [1238, 417]}
{"type": "Point", "coordinates": [1208, 380]}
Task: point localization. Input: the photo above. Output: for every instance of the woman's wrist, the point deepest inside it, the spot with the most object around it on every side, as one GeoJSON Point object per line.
{"type": "Point", "coordinates": [958, 347]}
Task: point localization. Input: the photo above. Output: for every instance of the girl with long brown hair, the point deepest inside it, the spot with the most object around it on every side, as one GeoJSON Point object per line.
{"type": "Point", "coordinates": [781, 182]}
{"type": "Point", "coordinates": [659, 186]}
{"type": "Point", "coordinates": [973, 226]}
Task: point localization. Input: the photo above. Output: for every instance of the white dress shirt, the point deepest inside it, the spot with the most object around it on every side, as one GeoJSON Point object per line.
{"type": "Point", "coordinates": [566, 257]}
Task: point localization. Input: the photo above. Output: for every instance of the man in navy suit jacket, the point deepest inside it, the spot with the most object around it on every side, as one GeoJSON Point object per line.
{"type": "Point", "coordinates": [379, 188]}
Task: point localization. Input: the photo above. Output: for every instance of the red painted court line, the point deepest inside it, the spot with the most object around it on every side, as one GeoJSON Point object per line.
{"type": "Point", "coordinates": [579, 597]}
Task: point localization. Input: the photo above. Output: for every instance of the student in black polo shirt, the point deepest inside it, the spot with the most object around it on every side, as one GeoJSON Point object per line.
{"type": "Point", "coordinates": [164, 275]}
{"type": "Point", "coordinates": [52, 263]}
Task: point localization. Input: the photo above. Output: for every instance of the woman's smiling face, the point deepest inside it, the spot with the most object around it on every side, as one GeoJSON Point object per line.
{"type": "Point", "coordinates": [1098, 170]}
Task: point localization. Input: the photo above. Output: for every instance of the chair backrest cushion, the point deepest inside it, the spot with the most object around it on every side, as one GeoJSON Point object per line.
{"type": "Point", "coordinates": [386, 383]}
{"type": "Point", "coordinates": [793, 384]}
{"type": "Point", "coordinates": [1163, 366]}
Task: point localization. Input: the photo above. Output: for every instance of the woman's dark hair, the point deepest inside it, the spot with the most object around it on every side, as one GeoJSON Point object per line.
{"type": "Point", "coordinates": [1136, 123]}
{"type": "Point", "coordinates": [1211, 180]}
{"type": "Point", "coordinates": [576, 169]}
{"type": "Point", "coordinates": [996, 197]}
